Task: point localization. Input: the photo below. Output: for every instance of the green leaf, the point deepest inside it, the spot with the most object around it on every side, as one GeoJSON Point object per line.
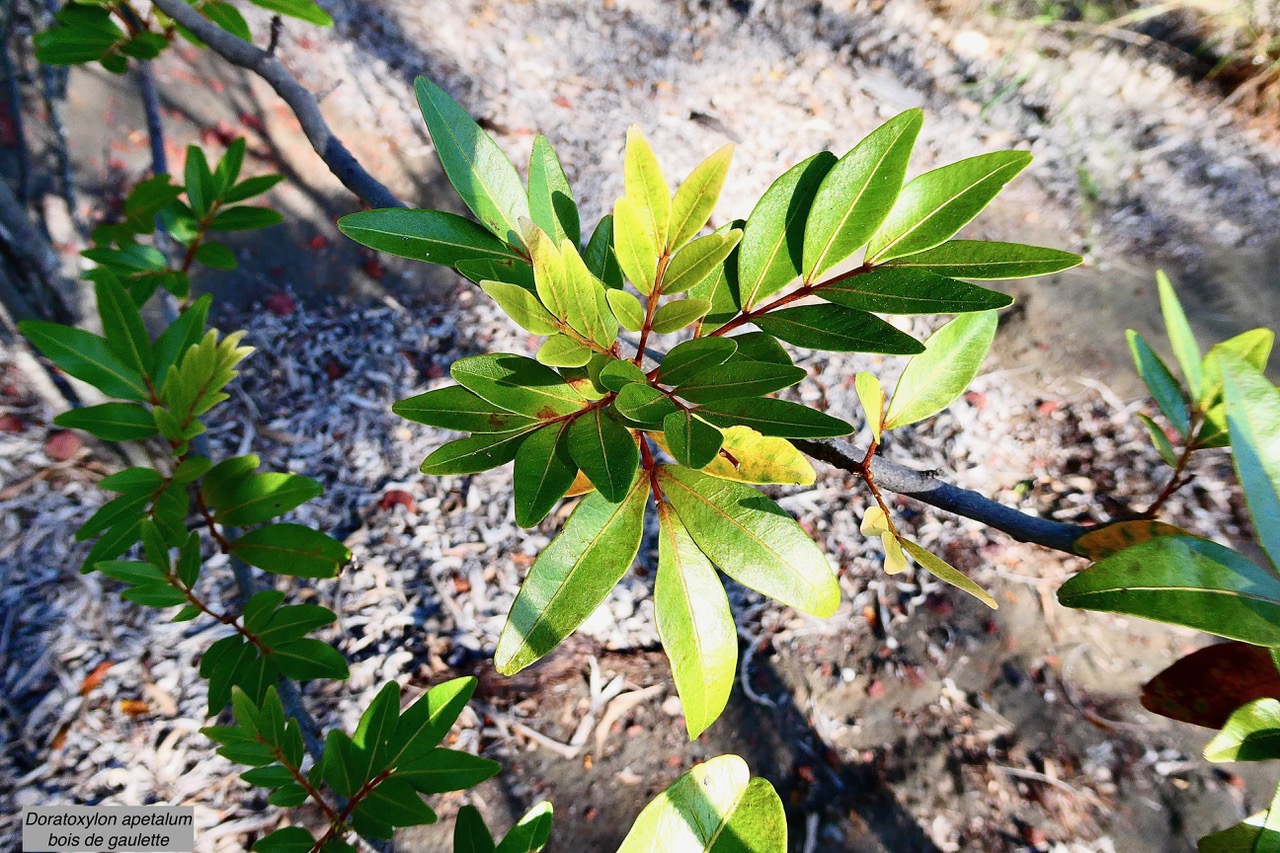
{"type": "Point", "coordinates": [307, 659]}
{"type": "Point", "coordinates": [982, 260]}
{"type": "Point", "coordinates": [181, 335]}
{"type": "Point", "coordinates": [772, 248]}
{"type": "Point", "coordinates": [1161, 441]}
{"type": "Point", "coordinates": [838, 329]}
{"type": "Point", "coordinates": [1187, 581]}
{"type": "Point", "coordinates": [442, 770]}
{"type": "Point", "coordinates": [599, 255]}
{"type": "Point", "coordinates": [245, 219]}
{"type": "Point", "coordinates": [226, 475]}
{"type": "Point", "coordinates": [470, 835]}
{"type": "Point", "coordinates": [291, 839]}
{"type": "Point", "coordinates": [531, 832]}
{"type": "Point", "coordinates": [643, 404]}
{"type": "Point", "coordinates": [518, 384]}
{"type": "Point", "coordinates": [229, 18]}
{"type": "Point", "coordinates": [627, 309]}
{"type": "Point", "coordinates": [1252, 733]}
{"type": "Point", "coordinates": [86, 34]}
{"type": "Point", "coordinates": [618, 373]}
{"type": "Point", "coordinates": [857, 194]}
{"type": "Point", "coordinates": [134, 481]}
{"type": "Point", "coordinates": [738, 379]}
{"type": "Point", "coordinates": [216, 256]}
{"type": "Point", "coordinates": [563, 351]}
{"type": "Point", "coordinates": [292, 623]}
{"type": "Point", "coordinates": [522, 307]}
{"type": "Point", "coordinates": [774, 417]}
{"type": "Point", "coordinates": [111, 421]}
{"type": "Point", "coordinates": [1164, 388]}
{"type": "Point", "coordinates": [456, 408]}
{"type": "Point", "coordinates": [292, 549]}
{"type": "Point", "coordinates": [543, 473]}
{"type": "Point", "coordinates": [945, 572]}
{"type": "Point", "coordinates": [752, 540]}
{"type": "Point", "coordinates": [692, 441]}
{"type": "Point", "coordinates": [606, 452]}
{"type": "Point", "coordinates": [871, 397]}
{"type": "Point", "coordinates": [433, 236]}
{"type": "Point", "coordinates": [720, 288]}
{"type": "Point", "coordinates": [199, 182]}
{"type": "Point", "coordinates": [937, 377]}
{"type": "Point", "coordinates": [375, 730]}
{"type": "Point", "coordinates": [551, 203]}
{"type": "Point", "coordinates": [676, 315]}
{"type": "Point", "coordinates": [714, 808]}
{"type": "Point", "coordinates": [250, 187]}
{"type": "Point", "coordinates": [87, 357]}
{"type": "Point", "coordinates": [892, 290]}
{"type": "Point", "coordinates": [696, 198]}
{"type": "Point", "coordinates": [127, 508]}
{"type": "Point", "coordinates": [698, 260]}
{"type": "Point", "coordinates": [1253, 347]}
{"type": "Point", "coordinates": [1256, 834]}
{"type": "Point", "coordinates": [303, 10]}
{"type": "Point", "coordinates": [288, 796]}
{"type": "Point", "coordinates": [1253, 420]}
{"type": "Point", "coordinates": [694, 623]}
{"type": "Point", "coordinates": [397, 803]}
{"type": "Point", "coordinates": [646, 188]}
{"type": "Point", "coordinates": [936, 205]}
{"type": "Point", "coordinates": [481, 174]}
{"type": "Point", "coordinates": [688, 358]}
{"type": "Point", "coordinates": [262, 497]}
{"type": "Point", "coordinates": [572, 576]}
{"type": "Point", "coordinates": [125, 334]}
{"type": "Point", "coordinates": [475, 454]}
{"type": "Point", "coordinates": [424, 724]}
{"type": "Point", "coordinates": [633, 243]}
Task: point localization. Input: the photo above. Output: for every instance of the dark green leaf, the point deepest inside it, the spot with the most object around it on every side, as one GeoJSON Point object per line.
{"type": "Point", "coordinates": [397, 803]}
{"type": "Point", "coordinates": [1161, 441]}
{"type": "Point", "coordinates": [228, 17]}
{"type": "Point", "coordinates": [292, 549]}
{"type": "Point", "coordinates": [760, 346]}
{"type": "Point", "coordinates": [893, 290]}
{"type": "Point", "coordinates": [125, 334]}
{"type": "Point", "coordinates": [857, 194]}
{"type": "Point", "coordinates": [605, 451]}
{"type": "Point", "coordinates": [291, 839]}
{"type": "Point", "coordinates": [689, 358]}
{"type": "Point", "coordinates": [475, 454]}
{"type": "Point", "coordinates": [509, 271]}
{"type": "Point", "coordinates": [198, 181]}
{"type": "Point", "coordinates": [936, 205]}
{"type": "Point", "coordinates": [695, 624]}
{"type": "Point", "coordinates": [551, 203]}
{"type": "Point", "coordinates": [456, 408]}
{"type": "Point", "coordinates": [181, 334]}
{"type": "Point", "coordinates": [982, 260]}
{"type": "Point", "coordinates": [772, 248]}
{"type": "Point", "coordinates": [531, 832]}
{"type": "Point", "coordinates": [433, 236]}
{"type": "Point", "coordinates": [288, 796]}
{"type": "Point", "coordinates": [484, 178]}
{"type": "Point", "coordinates": [305, 659]}
{"type": "Point", "coordinates": [643, 404]}
{"type": "Point", "coordinates": [293, 622]}
{"type": "Point", "coordinates": [838, 329]}
{"type": "Point", "coordinates": [111, 421]}
{"type": "Point", "coordinates": [262, 497]}
{"type": "Point", "coordinates": [442, 770]}
{"type": "Point", "coordinates": [250, 187]}
{"type": "Point", "coordinates": [774, 417]}
{"type": "Point", "coordinates": [518, 384]}
{"type": "Point", "coordinates": [87, 357]}
{"type": "Point", "coordinates": [1164, 388]}
{"type": "Point", "coordinates": [692, 441]}
{"type": "Point", "coordinates": [425, 723]}
{"type": "Point", "coordinates": [937, 377]}
{"type": "Point", "coordinates": [218, 483]}
{"type": "Point", "coordinates": [752, 540]}
{"type": "Point", "coordinates": [1185, 581]}
{"type": "Point", "coordinates": [543, 473]}
{"type": "Point", "coordinates": [127, 508]}
{"type": "Point", "coordinates": [245, 219]}
{"type": "Point", "coordinates": [738, 379]}
{"type": "Point", "coordinates": [470, 835]}
{"type": "Point", "coordinates": [372, 739]}
{"type": "Point", "coordinates": [572, 576]}
{"type": "Point", "coordinates": [133, 481]}
{"type": "Point", "coordinates": [216, 256]}
{"type": "Point", "coordinates": [599, 256]}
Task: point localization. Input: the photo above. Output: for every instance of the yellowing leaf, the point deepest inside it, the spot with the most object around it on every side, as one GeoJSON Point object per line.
{"type": "Point", "coordinates": [874, 522]}
{"type": "Point", "coordinates": [759, 458]}
{"type": "Point", "coordinates": [1113, 538]}
{"type": "Point", "coordinates": [871, 395]}
{"type": "Point", "coordinates": [945, 572]}
{"type": "Point", "coordinates": [895, 562]}
{"type": "Point", "coordinates": [581, 485]}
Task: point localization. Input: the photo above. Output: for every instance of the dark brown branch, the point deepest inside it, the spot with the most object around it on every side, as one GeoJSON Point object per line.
{"type": "Point", "coordinates": [1058, 535]}
{"type": "Point", "coordinates": [239, 52]}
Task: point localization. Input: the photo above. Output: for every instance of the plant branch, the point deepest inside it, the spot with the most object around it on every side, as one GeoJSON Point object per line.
{"type": "Point", "coordinates": [1058, 535]}
{"type": "Point", "coordinates": [239, 52]}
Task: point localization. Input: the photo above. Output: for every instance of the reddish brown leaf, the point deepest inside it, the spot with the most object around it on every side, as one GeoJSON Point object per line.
{"type": "Point", "coordinates": [281, 304]}
{"type": "Point", "coordinates": [135, 707]}
{"type": "Point", "coordinates": [11, 423]}
{"type": "Point", "coordinates": [1113, 538]}
{"type": "Point", "coordinates": [398, 497]}
{"type": "Point", "coordinates": [1204, 687]}
{"type": "Point", "coordinates": [62, 445]}
{"type": "Point", "coordinates": [93, 679]}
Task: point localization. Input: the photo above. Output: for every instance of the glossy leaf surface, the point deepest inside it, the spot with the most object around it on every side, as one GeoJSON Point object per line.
{"type": "Point", "coordinates": [937, 377]}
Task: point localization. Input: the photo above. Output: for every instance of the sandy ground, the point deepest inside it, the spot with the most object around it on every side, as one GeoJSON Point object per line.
{"type": "Point", "coordinates": [913, 720]}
